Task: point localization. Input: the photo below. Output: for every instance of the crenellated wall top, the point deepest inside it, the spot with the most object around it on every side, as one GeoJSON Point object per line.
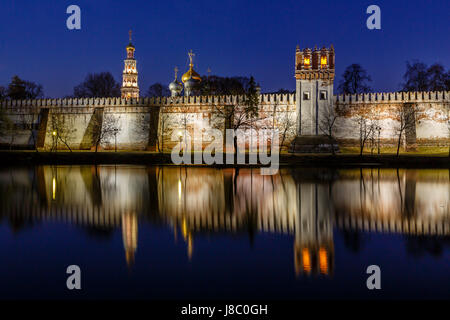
{"type": "Point", "coordinates": [394, 97]}
{"type": "Point", "coordinates": [265, 99]}
{"type": "Point", "coordinates": [288, 98]}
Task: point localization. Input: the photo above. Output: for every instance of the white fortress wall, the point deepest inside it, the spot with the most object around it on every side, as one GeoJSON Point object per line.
{"type": "Point", "coordinates": [139, 119]}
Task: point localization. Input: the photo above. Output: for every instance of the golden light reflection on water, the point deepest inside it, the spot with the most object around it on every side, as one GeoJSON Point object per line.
{"type": "Point", "coordinates": [306, 260]}
{"type": "Point", "coordinates": [307, 204]}
{"type": "Point", "coordinates": [323, 261]}
{"type": "Point", "coordinates": [54, 188]}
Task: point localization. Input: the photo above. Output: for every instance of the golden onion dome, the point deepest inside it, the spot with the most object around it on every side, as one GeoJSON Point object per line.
{"type": "Point", "coordinates": [191, 74]}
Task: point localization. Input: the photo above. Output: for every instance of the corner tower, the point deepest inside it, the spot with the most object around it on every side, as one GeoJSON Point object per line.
{"type": "Point", "coordinates": [314, 76]}
{"type": "Point", "coordinates": [130, 88]}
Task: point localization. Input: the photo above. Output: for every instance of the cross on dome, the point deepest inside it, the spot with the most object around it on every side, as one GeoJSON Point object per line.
{"type": "Point", "coordinates": [191, 55]}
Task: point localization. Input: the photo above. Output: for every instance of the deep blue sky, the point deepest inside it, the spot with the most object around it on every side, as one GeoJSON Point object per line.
{"type": "Point", "coordinates": [231, 37]}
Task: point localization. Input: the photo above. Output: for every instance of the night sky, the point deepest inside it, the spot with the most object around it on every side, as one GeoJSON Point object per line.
{"type": "Point", "coordinates": [231, 37]}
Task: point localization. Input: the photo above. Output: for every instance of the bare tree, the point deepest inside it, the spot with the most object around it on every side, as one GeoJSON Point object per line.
{"type": "Point", "coordinates": [3, 93]}
{"type": "Point", "coordinates": [366, 126]}
{"type": "Point", "coordinates": [327, 122]}
{"type": "Point", "coordinates": [405, 114]}
{"type": "Point", "coordinates": [164, 119]}
{"type": "Point", "coordinates": [447, 106]}
{"type": "Point", "coordinates": [96, 85]}
{"type": "Point", "coordinates": [354, 80]}
{"type": "Point", "coordinates": [158, 90]}
{"type": "Point", "coordinates": [106, 126]}
{"type": "Point", "coordinates": [235, 117]}
{"type": "Point", "coordinates": [141, 129]}
{"type": "Point", "coordinates": [7, 127]}
{"type": "Point", "coordinates": [375, 136]}
{"type": "Point", "coordinates": [22, 89]}
{"type": "Point", "coordinates": [286, 126]}
{"type": "Point", "coordinates": [61, 131]}
{"type": "Point", "coordinates": [448, 128]}
{"type": "Point", "coordinates": [28, 123]}
{"type": "Point", "coordinates": [419, 77]}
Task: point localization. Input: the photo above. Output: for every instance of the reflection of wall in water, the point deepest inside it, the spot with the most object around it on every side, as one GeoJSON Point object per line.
{"type": "Point", "coordinates": [410, 201]}
{"type": "Point", "coordinates": [198, 200]}
{"type": "Point", "coordinates": [196, 203]}
{"type": "Point", "coordinates": [109, 188]}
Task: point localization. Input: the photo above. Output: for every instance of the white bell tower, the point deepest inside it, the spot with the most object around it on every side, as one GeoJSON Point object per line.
{"type": "Point", "coordinates": [130, 88]}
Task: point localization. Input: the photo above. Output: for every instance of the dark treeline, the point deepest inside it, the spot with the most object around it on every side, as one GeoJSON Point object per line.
{"type": "Point", "coordinates": [20, 89]}
{"type": "Point", "coordinates": [355, 79]}
{"type": "Point", "coordinates": [216, 85]}
{"type": "Point", "coordinates": [97, 85]}
{"type": "Point", "coordinates": [210, 85]}
{"type": "Point", "coordinates": [418, 77]}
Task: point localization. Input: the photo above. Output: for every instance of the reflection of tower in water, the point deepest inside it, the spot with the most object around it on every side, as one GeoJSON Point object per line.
{"type": "Point", "coordinates": [187, 236]}
{"type": "Point", "coordinates": [313, 247]}
{"type": "Point", "coordinates": [129, 235]}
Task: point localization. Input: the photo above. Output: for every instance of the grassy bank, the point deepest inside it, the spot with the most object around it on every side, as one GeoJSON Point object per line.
{"type": "Point", "coordinates": [343, 159]}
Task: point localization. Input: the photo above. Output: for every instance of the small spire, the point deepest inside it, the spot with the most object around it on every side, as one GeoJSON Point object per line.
{"type": "Point", "coordinates": [130, 33]}
{"type": "Point", "coordinates": [176, 73]}
{"type": "Point", "coordinates": [297, 48]}
{"type": "Point", "coordinates": [208, 71]}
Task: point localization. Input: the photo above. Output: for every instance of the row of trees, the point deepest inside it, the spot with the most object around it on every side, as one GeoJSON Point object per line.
{"type": "Point", "coordinates": [103, 85]}
{"type": "Point", "coordinates": [355, 79]}
{"type": "Point", "coordinates": [210, 85]}
{"type": "Point", "coordinates": [418, 77]}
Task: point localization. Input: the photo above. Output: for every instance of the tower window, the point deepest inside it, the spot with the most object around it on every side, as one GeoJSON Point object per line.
{"type": "Point", "coordinates": [306, 61]}
{"type": "Point", "coordinates": [306, 95]}
{"type": "Point", "coordinates": [323, 95]}
{"type": "Point", "coordinates": [323, 61]}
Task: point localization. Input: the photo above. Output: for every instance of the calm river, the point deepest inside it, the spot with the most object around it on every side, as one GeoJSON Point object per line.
{"type": "Point", "coordinates": [200, 233]}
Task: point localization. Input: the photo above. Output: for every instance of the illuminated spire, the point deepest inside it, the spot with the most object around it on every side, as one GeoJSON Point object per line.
{"type": "Point", "coordinates": [130, 88]}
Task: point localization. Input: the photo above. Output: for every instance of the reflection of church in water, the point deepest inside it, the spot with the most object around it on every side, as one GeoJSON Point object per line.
{"type": "Point", "coordinates": [306, 204]}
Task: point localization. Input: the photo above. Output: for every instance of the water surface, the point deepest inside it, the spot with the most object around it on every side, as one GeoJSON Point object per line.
{"type": "Point", "coordinates": [200, 233]}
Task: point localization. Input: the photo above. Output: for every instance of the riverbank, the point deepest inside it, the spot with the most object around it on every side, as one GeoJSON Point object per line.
{"type": "Point", "coordinates": [285, 159]}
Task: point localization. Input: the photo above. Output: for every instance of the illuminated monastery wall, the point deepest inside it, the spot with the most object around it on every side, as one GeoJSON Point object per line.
{"type": "Point", "coordinates": [146, 123]}
{"type": "Point", "coordinates": [432, 127]}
